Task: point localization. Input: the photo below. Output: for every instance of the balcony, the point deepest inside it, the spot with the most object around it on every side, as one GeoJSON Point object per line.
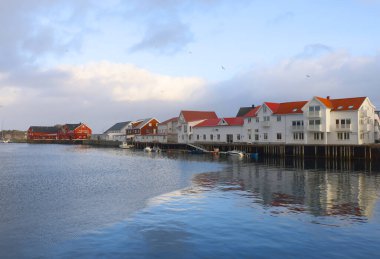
{"type": "Point", "coordinates": [314, 127]}
{"type": "Point", "coordinates": [343, 127]}
{"type": "Point", "coordinates": [265, 124]}
{"type": "Point", "coordinates": [314, 114]}
{"type": "Point", "coordinates": [297, 128]}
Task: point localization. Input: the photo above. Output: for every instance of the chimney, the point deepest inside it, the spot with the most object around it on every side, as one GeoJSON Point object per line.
{"type": "Point", "coordinates": [328, 97]}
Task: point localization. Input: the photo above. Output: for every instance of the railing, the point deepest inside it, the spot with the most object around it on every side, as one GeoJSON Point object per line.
{"type": "Point", "coordinates": [344, 127]}
{"type": "Point", "coordinates": [314, 127]}
{"type": "Point", "coordinates": [314, 114]}
{"type": "Point", "coordinates": [298, 127]}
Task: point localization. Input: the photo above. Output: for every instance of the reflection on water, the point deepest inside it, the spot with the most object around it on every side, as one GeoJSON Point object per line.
{"type": "Point", "coordinates": [266, 209]}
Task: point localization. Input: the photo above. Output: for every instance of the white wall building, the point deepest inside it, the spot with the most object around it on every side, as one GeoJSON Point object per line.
{"type": "Point", "coordinates": [187, 120]}
{"type": "Point", "coordinates": [117, 131]}
{"type": "Point", "coordinates": [318, 121]}
{"type": "Point", "coordinates": [220, 130]}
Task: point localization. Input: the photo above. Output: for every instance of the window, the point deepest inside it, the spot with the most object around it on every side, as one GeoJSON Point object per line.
{"type": "Point", "coordinates": [256, 130]}
{"type": "Point", "coordinates": [279, 136]}
{"type": "Point", "coordinates": [190, 129]}
{"type": "Point", "coordinates": [249, 120]}
{"type": "Point", "coordinates": [197, 137]}
{"type": "Point", "coordinates": [218, 137]}
{"type": "Point", "coordinates": [318, 136]}
{"type": "Point", "coordinates": [256, 137]}
{"type": "Point", "coordinates": [204, 136]}
{"type": "Point", "coordinates": [264, 109]}
{"type": "Point", "coordinates": [265, 135]}
{"type": "Point", "coordinates": [238, 136]}
{"type": "Point", "coordinates": [266, 118]}
{"type": "Point", "coordinates": [249, 136]}
{"type": "Point", "coordinates": [190, 137]}
{"type": "Point", "coordinates": [278, 118]}
{"type": "Point", "coordinates": [150, 124]}
{"type": "Point", "coordinates": [211, 137]}
{"type": "Point", "coordinates": [257, 119]}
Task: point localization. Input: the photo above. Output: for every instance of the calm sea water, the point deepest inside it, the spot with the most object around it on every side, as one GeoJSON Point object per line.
{"type": "Point", "coordinates": [75, 201]}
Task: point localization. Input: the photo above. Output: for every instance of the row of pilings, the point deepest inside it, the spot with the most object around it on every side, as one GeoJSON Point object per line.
{"type": "Point", "coordinates": [366, 152]}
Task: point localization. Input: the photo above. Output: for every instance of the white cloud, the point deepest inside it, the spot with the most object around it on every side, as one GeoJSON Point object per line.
{"type": "Point", "coordinates": [125, 82]}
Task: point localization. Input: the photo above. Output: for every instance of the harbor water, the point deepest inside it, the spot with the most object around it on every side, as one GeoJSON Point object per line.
{"type": "Point", "coordinates": [65, 201]}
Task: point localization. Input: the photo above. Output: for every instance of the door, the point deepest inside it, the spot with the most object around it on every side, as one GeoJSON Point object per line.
{"type": "Point", "coordinates": [230, 138]}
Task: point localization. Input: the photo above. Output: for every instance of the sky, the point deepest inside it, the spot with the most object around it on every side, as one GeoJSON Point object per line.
{"type": "Point", "coordinates": [103, 62]}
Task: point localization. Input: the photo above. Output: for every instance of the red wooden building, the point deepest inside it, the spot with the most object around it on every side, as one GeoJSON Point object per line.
{"type": "Point", "coordinates": [61, 132]}
{"type": "Point", "coordinates": [143, 127]}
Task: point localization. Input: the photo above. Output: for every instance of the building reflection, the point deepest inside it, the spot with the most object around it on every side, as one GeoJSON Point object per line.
{"type": "Point", "coordinates": [314, 187]}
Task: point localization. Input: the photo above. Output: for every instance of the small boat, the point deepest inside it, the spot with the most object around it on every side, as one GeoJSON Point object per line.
{"type": "Point", "coordinates": [235, 153]}
{"type": "Point", "coordinates": [5, 140]}
{"type": "Point", "coordinates": [148, 149]}
{"type": "Point", "coordinates": [125, 145]}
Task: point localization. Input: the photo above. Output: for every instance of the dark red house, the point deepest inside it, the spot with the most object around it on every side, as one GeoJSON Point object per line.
{"type": "Point", "coordinates": [143, 127]}
{"type": "Point", "coordinates": [62, 132]}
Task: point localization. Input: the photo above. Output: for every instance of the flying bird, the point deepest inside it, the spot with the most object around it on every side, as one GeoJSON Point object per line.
{"type": "Point", "coordinates": [307, 75]}
{"type": "Point", "coordinates": [223, 68]}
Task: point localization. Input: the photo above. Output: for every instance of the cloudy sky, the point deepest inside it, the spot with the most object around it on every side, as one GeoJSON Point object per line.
{"type": "Point", "coordinates": [101, 62]}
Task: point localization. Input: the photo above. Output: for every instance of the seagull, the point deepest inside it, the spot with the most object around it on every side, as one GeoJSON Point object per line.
{"type": "Point", "coordinates": [223, 68]}
{"type": "Point", "coordinates": [307, 75]}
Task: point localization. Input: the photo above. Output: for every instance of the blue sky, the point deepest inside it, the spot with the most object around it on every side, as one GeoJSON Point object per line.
{"type": "Point", "coordinates": [101, 63]}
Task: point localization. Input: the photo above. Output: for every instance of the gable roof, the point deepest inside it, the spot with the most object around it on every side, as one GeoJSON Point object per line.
{"type": "Point", "coordinates": [174, 119]}
{"type": "Point", "coordinates": [198, 115]}
{"type": "Point", "coordinates": [73, 126]}
{"type": "Point", "coordinates": [342, 104]}
{"type": "Point", "coordinates": [290, 108]}
{"type": "Point", "coordinates": [43, 129]}
{"type": "Point", "coordinates": [272, 106]}
{"type": "Point", "coordinates": [234, 121]}
{"type": "Point", "coordinates": [142, 123]}
{"type": "Point", "coordinates": [243, 111]}
{"type": "Point", "coordinates": [118, 126]}
{"type": "Point", "coordinates": [252, 112]}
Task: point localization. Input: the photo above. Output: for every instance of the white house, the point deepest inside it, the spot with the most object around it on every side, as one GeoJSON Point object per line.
{"type": "Point", "coordinates": [317, 121]}
{"type": "Point", "coordinates": [117, 131]}
{"type": "Point", "coordinates": [339, 121]}
{"type": "Point", "coordinates": [187, 120]}
{"type": "Point", "coordinates": [168, 129]}
{"type": "Point", "coordinates": [219, 130]}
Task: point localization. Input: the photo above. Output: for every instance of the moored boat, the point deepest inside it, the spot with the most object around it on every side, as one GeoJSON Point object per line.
{"type": "Point", "coordinates": [235, 153]}
{"type": "Point", "coordinates": [125, 145]}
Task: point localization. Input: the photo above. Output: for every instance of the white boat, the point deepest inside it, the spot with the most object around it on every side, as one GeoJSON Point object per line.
{"type": "Point", "coordinates": [148, 149]}
{"type": "Point", "coordinates": [235, 153]}
{"type": "Point", "coordinates": [125, 145]}
{"type": "Point", "coordinates": [5, 141]}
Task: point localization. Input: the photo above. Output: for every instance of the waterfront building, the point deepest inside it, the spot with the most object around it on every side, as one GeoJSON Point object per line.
{"type": "Point", "coordinates": [42, 133]}
{"type": "Point", "coordinates": [219, 130]}
{"type": "Point", "coordinates": [139, 130]}
{"type": "Point", "coordinates": [317, 121]}
{"type": "Point", "coordinates": [187, 120]}
{"type": "Point", "coordinates": [168, 129]}
{"type": "Point", "coordinates": [76, 131]}
{"type": "Point", "coordinates": [117, 131]}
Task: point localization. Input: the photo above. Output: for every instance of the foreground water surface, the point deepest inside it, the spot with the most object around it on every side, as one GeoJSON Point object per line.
{"type": "Point", "coordinates": [76, 201]}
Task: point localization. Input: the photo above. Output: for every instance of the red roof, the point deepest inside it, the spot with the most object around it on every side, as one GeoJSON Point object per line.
{"type": "Point", "coordinates": [290, 108]}
{"type": "Point", "coordinates": [252, 112]}
{"type": "Point", "coordinates": [235, 121]}
{"type": "Point", "coordinates": [272, 106]}
{"type": "Point", "coordinates": [344, 104]}
{"type": "Point", "coordinates": [169, 120]}
{"type": "Point", "coordinates": [198, 115]}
